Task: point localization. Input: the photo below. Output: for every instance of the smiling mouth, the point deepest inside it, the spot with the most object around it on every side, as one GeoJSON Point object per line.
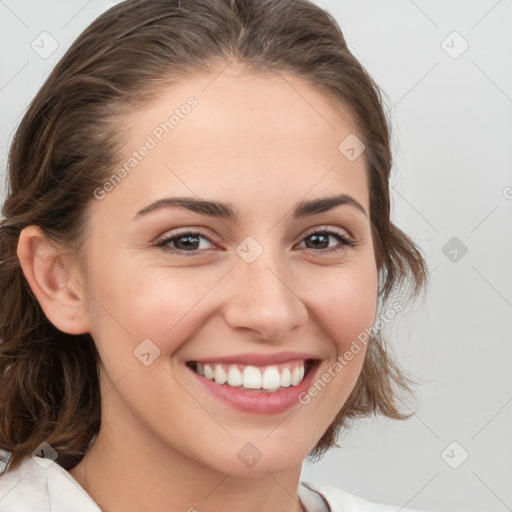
{"type": "Point", "coordinates": [263, 379]}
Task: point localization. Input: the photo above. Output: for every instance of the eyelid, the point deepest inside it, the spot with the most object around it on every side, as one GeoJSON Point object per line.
{"type": "Point", "coordinates": [347, 240]}
{"type": "Point", "coordinates": [327, 227]}
{"type": "Point", "coordinates": [197, 230]}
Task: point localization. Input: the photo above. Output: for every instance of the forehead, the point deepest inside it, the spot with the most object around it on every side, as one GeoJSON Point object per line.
{"type": "Point", "coordinates": [235, 134]}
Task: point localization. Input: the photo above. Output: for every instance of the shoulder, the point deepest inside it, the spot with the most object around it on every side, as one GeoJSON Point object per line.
{"type": "Point", "coordinates": [42, 486]}
{"type": "Point", "coordinates": [338, 500]}
{"type": "Point", "coordinates": [23, 489]}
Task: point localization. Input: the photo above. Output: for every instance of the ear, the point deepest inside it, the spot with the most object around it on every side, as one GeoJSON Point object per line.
{"type": "Point", "coordinates": [54, 281]}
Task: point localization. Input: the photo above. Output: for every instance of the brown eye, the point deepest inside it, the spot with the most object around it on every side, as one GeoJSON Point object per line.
{"type": "Point", "coordinates": [319, 241]}
{"type": "Point", "coordinates": [184, 242]}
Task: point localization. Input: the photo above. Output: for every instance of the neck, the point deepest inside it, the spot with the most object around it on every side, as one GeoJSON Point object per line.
{"type": "Point", "coordinates": [122, 473]}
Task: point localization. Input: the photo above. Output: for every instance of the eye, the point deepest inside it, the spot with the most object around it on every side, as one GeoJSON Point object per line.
{"type": "Point", "coordinates": [184, 242]}
{"type": "Point", "coordinates": [190, 242]}
{"type": "Point", "coordinates": [320, 240]}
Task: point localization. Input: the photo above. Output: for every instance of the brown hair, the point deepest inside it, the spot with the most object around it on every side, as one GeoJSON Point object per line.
{"type": "Point", "coordinates": [63, 149]}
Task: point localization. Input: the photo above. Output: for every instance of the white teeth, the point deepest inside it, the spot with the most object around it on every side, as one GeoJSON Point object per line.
{"type": "Point", "coordinates": [252, 377]}
{"type": "Point", "coordinates": [271, 378]}
{"type": "Point", "coordinates": [234, 376]}
{"type": "Point", "coordinates": [286, 378]}
{"type": "Point", "coordinates": [208, 372]}
{"type": "Point", "coordinates": [219, 374]}
{"type": "Point", "coordinates": [295, 377]}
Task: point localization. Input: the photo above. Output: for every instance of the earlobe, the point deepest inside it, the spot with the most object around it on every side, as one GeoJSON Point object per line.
{"type": "Point", "coordinates": [48, 271]}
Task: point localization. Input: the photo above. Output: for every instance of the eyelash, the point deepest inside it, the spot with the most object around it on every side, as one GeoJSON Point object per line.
{"type": "Point", "coordinates": [344, 240]}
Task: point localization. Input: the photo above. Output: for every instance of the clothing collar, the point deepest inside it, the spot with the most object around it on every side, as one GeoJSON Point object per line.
{"type": "Point", "coordinates": [45, 486]}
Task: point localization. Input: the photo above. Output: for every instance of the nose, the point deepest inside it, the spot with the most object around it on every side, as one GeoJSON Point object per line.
{"type": "Point", "coordinates": [263, 301]}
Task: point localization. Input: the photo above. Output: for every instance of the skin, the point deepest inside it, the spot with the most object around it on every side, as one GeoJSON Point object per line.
{"type": "Point", "coordinates": [254, 141]}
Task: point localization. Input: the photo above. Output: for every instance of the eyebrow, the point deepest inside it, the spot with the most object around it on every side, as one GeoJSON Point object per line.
{"type": "Point", "coordinates": [228, 212]}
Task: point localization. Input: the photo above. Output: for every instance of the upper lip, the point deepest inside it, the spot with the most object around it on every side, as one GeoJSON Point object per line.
{"type": "Point", "coordinates": [257, 359]}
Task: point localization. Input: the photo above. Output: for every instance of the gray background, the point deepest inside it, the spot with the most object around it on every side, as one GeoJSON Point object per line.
{"type": "Point", "coordinates": [452, 122]}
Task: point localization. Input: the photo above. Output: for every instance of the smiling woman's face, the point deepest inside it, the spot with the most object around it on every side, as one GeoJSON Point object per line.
{"type": "Point", "coordinates": [260, 287]}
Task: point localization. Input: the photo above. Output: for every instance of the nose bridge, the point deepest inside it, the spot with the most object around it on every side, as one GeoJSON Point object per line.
{"type": "Point", "coordinates": [263, 300]}
{"type": "Point", "coordinates": [264, 283]}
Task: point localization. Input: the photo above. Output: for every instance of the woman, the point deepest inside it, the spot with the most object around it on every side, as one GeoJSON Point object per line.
{"type": "Point", "coordinates": [196, 252]}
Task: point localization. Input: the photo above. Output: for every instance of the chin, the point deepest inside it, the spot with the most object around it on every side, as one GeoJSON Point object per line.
{"type": "Point", "coordinates": [261, 458]}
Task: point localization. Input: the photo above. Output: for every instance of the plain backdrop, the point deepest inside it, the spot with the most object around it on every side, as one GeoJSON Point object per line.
{"type": "Point", "coordinates": [446, 72]}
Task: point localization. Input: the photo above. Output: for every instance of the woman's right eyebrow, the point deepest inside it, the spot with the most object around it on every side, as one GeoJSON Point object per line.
{"type": "Point", "coordinates": [228, 212]}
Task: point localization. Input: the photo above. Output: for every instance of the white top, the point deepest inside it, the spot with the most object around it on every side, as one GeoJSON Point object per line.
{"type": "Point", "coordinates": [32, 487]}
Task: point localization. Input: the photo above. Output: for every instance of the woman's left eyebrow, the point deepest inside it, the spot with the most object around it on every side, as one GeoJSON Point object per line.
{"type": "Point", "coordinates": [227, 210]}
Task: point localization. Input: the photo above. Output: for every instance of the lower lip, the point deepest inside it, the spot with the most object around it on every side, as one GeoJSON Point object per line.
{"type": "Point", "coordinates": [258, 402]}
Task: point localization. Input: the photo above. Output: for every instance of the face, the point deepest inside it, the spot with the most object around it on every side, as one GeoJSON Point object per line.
{"type": "Point", "coordinates": [260, 290]}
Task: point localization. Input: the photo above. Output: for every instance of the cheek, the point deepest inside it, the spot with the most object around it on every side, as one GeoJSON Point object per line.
{"type": "Point", "coordinates": [137, 302]}
{"type": "Point", "coordinates": [168, 300]}
{"type": "Point", "coordinates": [159, 303]}
{"type": "Point", "coordinates": [345, 305]}
{"type": "Point", "coordinates": [345, 301]}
